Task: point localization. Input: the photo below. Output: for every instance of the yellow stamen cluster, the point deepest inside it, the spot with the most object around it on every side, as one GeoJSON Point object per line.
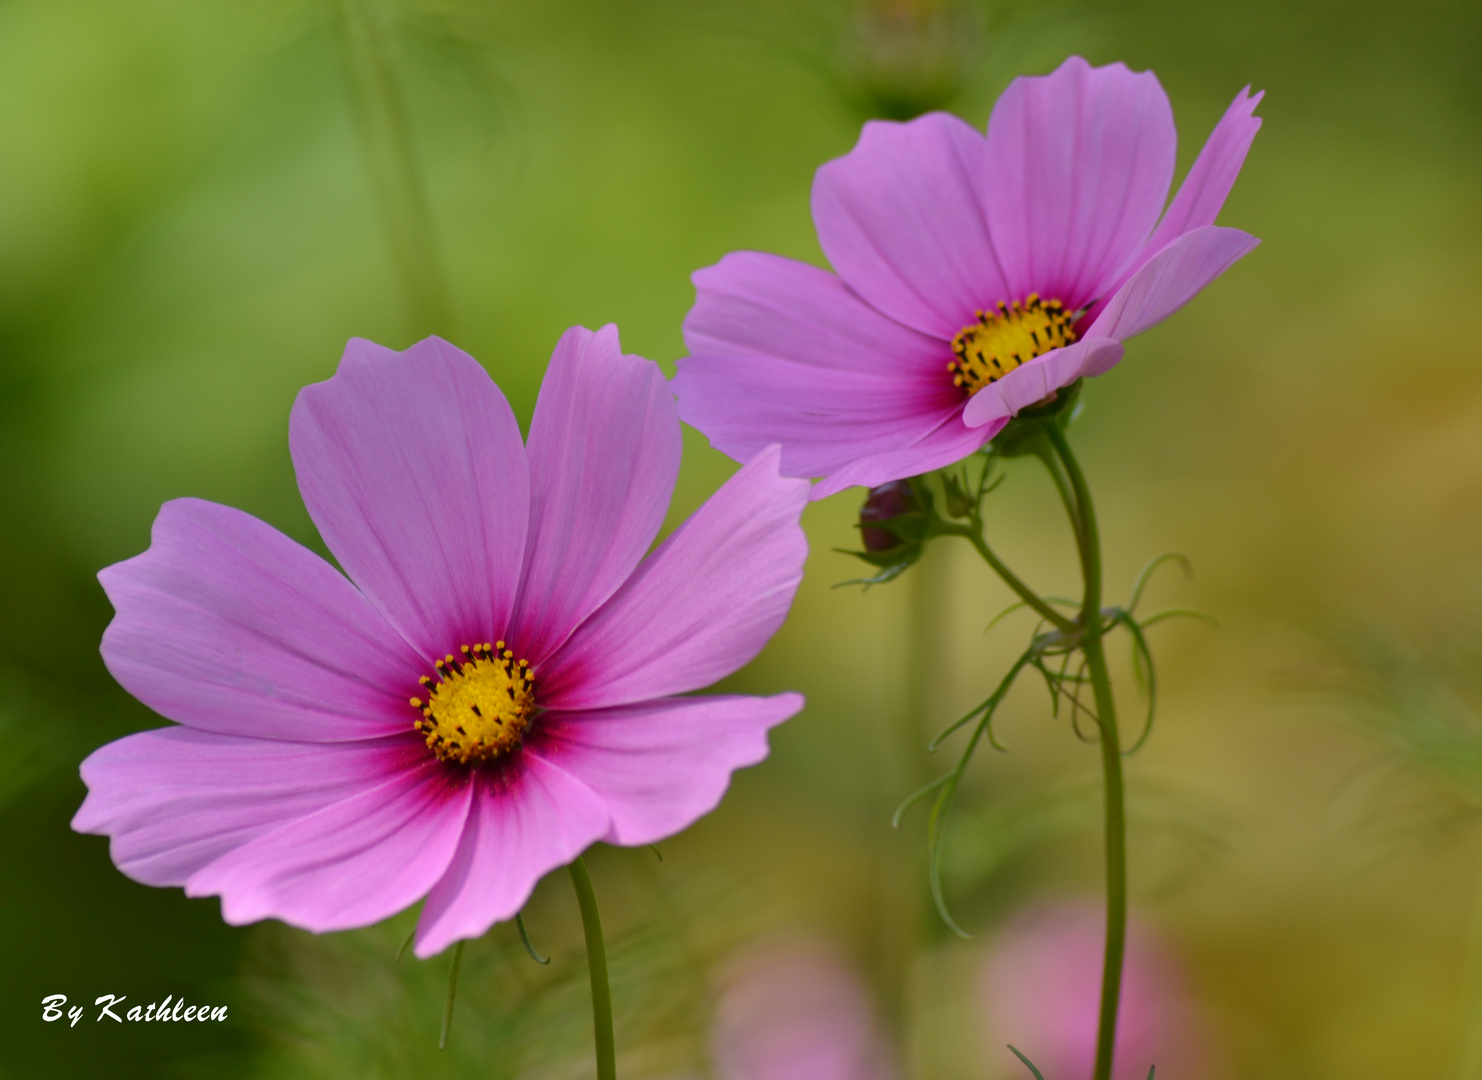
{"type": "Point", "coordinates": [1011, 335]}
{"type": "Point", "coordinates": [480, 706]}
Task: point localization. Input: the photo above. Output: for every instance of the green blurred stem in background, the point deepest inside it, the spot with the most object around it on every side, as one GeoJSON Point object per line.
{"type": "Point", "coordinates": [591, 923]}
{"type": "Point", "coordinates": [1088, 540]}
{"type": "Point", "coordinates": [442, 1039]}
{"type": "Point", "coordinates": [396, 180]}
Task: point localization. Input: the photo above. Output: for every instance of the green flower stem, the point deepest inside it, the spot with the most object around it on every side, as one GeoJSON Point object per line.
{"type": "Point", "coordinates": [396, 180]}
{"type": "Point", "coordinates": [1111, 756]}
{"type": "Point", "coordinates": [1046, 454]}
{"type": "Point", "coordinates": [975, 537]}
{"type": "Point", "coordinates": [597, 964]}
{"type": "Point", "coordinates": [1116, 858]}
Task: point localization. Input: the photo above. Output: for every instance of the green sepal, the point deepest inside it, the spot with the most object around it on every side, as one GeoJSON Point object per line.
{"type": "Point", "coordinates": [889, 573]}
{"type": "Point", "coordinates": [959, 502]}
{"type": "Point", "coordinates": [892, 563]}
{"type": "Point", "coordinates": [902, 556]}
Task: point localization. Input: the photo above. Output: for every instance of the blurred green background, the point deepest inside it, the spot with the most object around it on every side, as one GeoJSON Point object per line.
{"type": "Point", "coordinates": [199, 204]}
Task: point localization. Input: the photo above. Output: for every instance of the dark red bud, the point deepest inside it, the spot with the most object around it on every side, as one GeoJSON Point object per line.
{"type": "Point", "coordinates": [884, 502]}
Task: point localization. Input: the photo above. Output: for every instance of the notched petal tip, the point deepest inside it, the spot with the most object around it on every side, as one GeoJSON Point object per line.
{"type": "Point", "coordinates": [1210, 179]}
{"type": "Point", "coordinates": [385, 455]}
{"type": "Point", "coordinates": [1077, 172]}
{"type": "Point", "coordinates": [901, 219]}
{"type": "Point", "coordinates": [604, 452]}
{"type": "Point", "coordinates": [579, 337]}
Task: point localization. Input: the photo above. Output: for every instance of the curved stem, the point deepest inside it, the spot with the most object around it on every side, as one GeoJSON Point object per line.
{"type": "Point", "coordinates": [1067, 495]}
{"type": "Point", "coordinates": [1087, 531]}
{"type": "Point", "coordinates": [1111, 757]}
{"type": "Point", "coordinates": [591, 924]}
{"type": "Point", "coordinates": [1012, 580]}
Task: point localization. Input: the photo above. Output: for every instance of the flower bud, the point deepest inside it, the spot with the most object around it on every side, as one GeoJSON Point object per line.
{"type": "Point", "coordinates": [885, 503]}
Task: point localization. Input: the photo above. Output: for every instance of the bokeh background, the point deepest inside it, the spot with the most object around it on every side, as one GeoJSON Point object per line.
{"type": "Point", "coordinates": [199, 204]}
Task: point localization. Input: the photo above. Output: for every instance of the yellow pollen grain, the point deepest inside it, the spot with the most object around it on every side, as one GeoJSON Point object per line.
{"type": "Point", "coordinates": [479, 706]}
{"type": "Point", "coordinates": [1004, 338]}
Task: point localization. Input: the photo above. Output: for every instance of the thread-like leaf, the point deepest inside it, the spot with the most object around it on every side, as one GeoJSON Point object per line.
{"type": "Point", "coordinates": [525, 939]}
{"type": "Point", "coordinates": [935, 831]}
{"type": "Point", "coordinates": [1180, 613]}
{"type": "Point", "coordinates": [1146, 573]}
{"type": "Point", "coordinates": [992, 702]}
{"type": "Point", "coordinates": [1028, 1064]}
{"type": "Point", "coordinates": [1149, 677]}
{"type": "Point", "coordinates": [915, 797]}
{"type": "Point", "coordinates": [404, 944]}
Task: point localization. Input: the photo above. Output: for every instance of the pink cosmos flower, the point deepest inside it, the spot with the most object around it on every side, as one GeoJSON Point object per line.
{"type": "Point", "coordinates": [793, 1010]}
{"type": "Point", "coordinates": [975, 276]}
{"type": "Point", "coordinates": [491, 690]}
{"type": "Point", "coordinates": [1041, 991]}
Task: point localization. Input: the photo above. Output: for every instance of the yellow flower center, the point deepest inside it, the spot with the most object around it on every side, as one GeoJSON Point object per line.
{"type": "Point", "coordinates": [1011, 335]}
{"type": "Point", "coordinates": [480, 706]}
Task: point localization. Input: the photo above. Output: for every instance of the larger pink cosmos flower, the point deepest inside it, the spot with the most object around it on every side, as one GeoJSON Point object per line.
{"type": "Point", "coordinates": [976, 276]}
{"type": "Point", "coordinates": [490, 691]}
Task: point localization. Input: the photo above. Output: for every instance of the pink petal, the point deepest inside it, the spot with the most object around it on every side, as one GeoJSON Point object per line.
{"type": "Point", "coordinates": [1170, 279]}
{"type": "Point", "coordinates": [1038, 379]}
{"type": "Point", "coordinates": [949, 442]}
{"type": "Point", "coordinates": [1078, 168]}
{"type": "Point", "coordinates": [175, 799]}
{"type": "Point", "coordinates": [523, 823]}
{"type": "Point", "coordinates": [353, 863]}
{"type": "Point", "coordinates": [1203, 191]}
{"type": "Point", "coordinates": [784, 353]}
{"type": "Point", "coordinates": [754, 305]}
{"type": "Point", "coordinates": [901, 219]}
{"type": "Point", "coordinates": [227, 625]}
{"type": "Point", "coordinates": [825, 420]}
{"type": "Point", "coordinates": [1213, 173]}
{"type": "Point", "coordinates": [604, 453]}
{"type": "Point", "coordinates": [700, 606]}
{"type": "Point", "coordinates": [411, 466]}
{"type": "Point", "coordinates": [661, 765]}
